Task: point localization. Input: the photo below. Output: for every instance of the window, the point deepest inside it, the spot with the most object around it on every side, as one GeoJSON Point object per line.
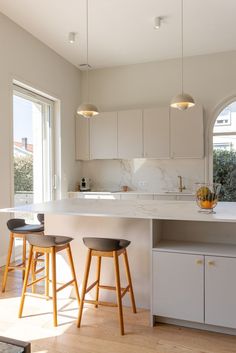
{"type": "Point", "coordinates": [32, 147]}
{"type": "Point", "coordinates": [224, 152]}
{"type": "Point", "coordinates": [224, 118]}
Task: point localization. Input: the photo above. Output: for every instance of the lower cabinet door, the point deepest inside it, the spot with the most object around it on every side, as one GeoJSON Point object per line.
{"type": "Point", "coordinates": [178, 286]}
{"type": "Point", "coordinates": [220, 291]}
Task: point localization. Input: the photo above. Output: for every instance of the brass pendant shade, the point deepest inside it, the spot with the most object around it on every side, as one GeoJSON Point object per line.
{"type": "Point", "coordinates": [87, 110]}
{"type": "Point", "coordinates": [182, 101]}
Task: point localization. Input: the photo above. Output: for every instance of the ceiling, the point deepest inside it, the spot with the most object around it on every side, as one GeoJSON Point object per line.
{"type": "Point", "coordinates": [121, 31]}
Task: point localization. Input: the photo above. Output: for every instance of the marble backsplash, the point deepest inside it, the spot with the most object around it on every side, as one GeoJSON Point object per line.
{"type": "Point", "coordinates": [149, 175]}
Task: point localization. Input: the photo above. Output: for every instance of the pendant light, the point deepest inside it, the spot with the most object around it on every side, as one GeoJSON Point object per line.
{"type": "Point", "coordinates": [87, 110]}
{"type": "Point", "coordinates": [183, 100]}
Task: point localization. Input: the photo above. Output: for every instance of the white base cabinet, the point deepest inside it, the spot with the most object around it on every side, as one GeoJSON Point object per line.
{"type": "Point", "coordinates": [192, 287]}
{"type": "Point", "coordinates": [178, 286]}
{"type": "Point", "coordinates": [220, 291]}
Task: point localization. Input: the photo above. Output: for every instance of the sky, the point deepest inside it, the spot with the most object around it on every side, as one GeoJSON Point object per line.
{"type": "Point", "coordinates": [22, 110]}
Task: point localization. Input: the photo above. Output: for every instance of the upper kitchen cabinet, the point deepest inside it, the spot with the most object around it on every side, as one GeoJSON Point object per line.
{"type": "Point", "coordinates": [186, 129]}
{"type": "Point", "coordinates": [103, 136]}
{"type": "Point", "coordinates": [82, 139]}
{"type": "Point", "coordinates": [130, 134]}
{"type": "Point", "coordinates": [156, 133]}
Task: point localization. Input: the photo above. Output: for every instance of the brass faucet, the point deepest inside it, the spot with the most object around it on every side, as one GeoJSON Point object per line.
{"type": "Point", "coordinates": [181, 186]}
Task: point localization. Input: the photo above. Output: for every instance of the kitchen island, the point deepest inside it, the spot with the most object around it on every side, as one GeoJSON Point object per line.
{"type": "Point", "coordinates": [183, 262]}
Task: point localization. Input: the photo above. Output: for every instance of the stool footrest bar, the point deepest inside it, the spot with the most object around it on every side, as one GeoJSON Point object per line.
{"type": "Point", "coordinates": [36, 295]}
{"type": "Point", "coordinates": [17, 267]}
{"type": "Point", "coordinates": [124, 291]}
{"type": "Point", "coordinates": [36, 281]}
{"type": "Point", "coordinates": [91, 286]}
{"type": "Point", "coordinates": [39, 270]}
{"type": "Point", "coordinates": [66, 285]}
{"type": "Point", "coordinates": [97, 302]}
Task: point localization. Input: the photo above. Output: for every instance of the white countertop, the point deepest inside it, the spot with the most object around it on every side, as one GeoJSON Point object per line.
{"type": "Point", "coordinates": [143, 209]}
{"type": "Point", "coordinates": [134, 192]}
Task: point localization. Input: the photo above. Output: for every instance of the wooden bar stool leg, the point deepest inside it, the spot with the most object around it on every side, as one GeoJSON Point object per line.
{"type": "Point", "coordinates": [26, 281]}
{"type": "Point", "coordinates": [24, 257]}
{"type": "Point", "coordinates": [54, 285]}
{"type": "Point", "coordinates": [118, 292]}
{"type": "Point", "coordinates": [47, 275]}
{"type": "Point", "coordinates": [99, 259]}
{"type": "Point", "coordinates": [85, 281]}
{"type": "Point", "coordinates": [33, 272]}
{"type": "Point", "coordinates": [11, 242]}
{"type": "Point", "coordinates": [127, 269]}
{"type": "Point", "coordinates": [73, 272]}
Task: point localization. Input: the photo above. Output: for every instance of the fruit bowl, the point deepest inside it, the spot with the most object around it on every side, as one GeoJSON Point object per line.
{"type": "Point", "coordinates": [207, 196]}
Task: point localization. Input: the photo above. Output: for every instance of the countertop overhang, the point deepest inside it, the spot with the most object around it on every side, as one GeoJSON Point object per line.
{"type": "Point", "coordinates": [142, 209]}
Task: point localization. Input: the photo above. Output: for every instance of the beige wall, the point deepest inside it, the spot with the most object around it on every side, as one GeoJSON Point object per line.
{"type": "Point", "coordinates": [210, 79]}
{"type": "Point", "coordinates": [26, 59]}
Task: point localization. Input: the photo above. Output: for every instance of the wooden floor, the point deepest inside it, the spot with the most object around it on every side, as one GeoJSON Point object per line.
{"type": "Point", "coordinates": [99, 332]}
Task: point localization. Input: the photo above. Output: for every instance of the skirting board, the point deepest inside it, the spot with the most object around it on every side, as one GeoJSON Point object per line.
{"type": "Point", "coordinates": [196, 325]}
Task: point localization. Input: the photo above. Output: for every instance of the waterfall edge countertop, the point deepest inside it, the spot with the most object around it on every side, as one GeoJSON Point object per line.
{"type": "Point", "coordinates": [142, 209]}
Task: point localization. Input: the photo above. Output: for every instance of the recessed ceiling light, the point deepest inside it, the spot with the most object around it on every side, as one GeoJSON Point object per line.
{"type": "Point", "coordinates": [157, 22]}
{"type": "Point", "coordinates": [72, 37]}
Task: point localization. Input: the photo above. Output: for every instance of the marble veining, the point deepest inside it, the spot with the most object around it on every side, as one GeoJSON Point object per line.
{"type": "Point", "coordinates": [147, 175]}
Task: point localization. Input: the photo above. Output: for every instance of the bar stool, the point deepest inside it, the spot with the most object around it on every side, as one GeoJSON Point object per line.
{"type": "Point", "coordinates": [105, 247]}
{"type": "Point", "coordinates": [19, 229]}
{"type": "Point", "coordinates": [48, 245]}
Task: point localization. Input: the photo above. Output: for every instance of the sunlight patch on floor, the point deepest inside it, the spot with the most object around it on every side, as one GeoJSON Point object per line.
{"type": "Point", "coordinates": [37, 321]}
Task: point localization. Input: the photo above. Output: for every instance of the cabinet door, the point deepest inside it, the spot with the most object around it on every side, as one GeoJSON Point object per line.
{"type": "Point", "coordinates": [103, 136]}
{"type": "Point", "coordinates": [220, 291]}
{"type": "Point", "coordinates": [178, 286]}
{"type": "Point", "coordinates": [130, 136]}
{"type": "Point", "coordinates": [187, 133]}
{"type": "Point", "coordinates": [185, 197]}
{"type": "Point", "coordinates": [145, 196]}
{"type": "Point", "coordinates": [156, 133]}
{"type": "Point", "coordinates": [128, 196]}
{"type": "Point", "coordinates": [82, 138]}
{"type": "Point", "coordinates": [164, 197]}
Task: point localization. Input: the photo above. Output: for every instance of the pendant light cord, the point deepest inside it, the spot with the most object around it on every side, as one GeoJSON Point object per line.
{"type": "Point", "coordinates": [182, 46]}
{"type": "Point", "coordinates": [87, 30]}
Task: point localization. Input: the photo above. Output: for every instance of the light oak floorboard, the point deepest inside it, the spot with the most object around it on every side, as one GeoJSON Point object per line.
{"type": "Point", "coordinates": [99, 332]}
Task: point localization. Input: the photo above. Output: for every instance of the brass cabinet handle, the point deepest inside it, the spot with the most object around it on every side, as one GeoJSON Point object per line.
{"type": "Point", "coordinates": [211, 263]}
{"type": "Point", "coordinates": [199, 262]}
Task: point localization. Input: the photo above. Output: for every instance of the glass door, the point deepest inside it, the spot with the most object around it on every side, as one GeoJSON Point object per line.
{"type": "Point", "coordinates": [32, 147]}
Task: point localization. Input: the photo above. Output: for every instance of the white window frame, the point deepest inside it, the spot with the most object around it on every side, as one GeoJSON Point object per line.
{"type": "Point", "coordinates": [49, 106]}
{"type": "Point", "coordinates": [209, 136]}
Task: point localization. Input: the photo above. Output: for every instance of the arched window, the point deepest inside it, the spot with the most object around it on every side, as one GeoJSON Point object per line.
{"type": "Point", "coordinates": [224, 152]}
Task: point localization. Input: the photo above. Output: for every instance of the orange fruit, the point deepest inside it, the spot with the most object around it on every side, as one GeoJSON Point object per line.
{"type": "Point", "coordinates": [207, 204]}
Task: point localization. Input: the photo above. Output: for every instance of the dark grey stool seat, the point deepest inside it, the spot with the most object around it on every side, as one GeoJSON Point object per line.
{"type": "Point", "coordinates": [47, 241]}
{"type": "Point", "coordinates": [19, 226]}
{"type": "Point", "coordinates": [18, 229]}
{"type": "Point", "coordinates": [105, 244]}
